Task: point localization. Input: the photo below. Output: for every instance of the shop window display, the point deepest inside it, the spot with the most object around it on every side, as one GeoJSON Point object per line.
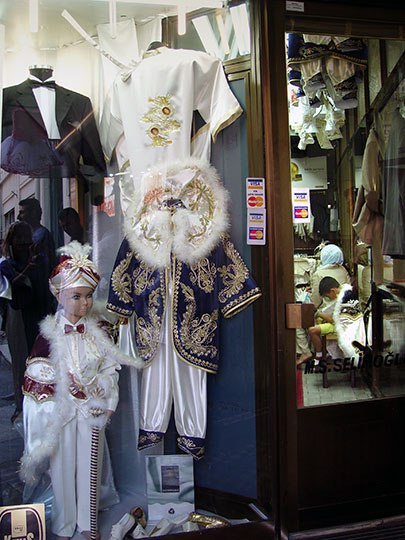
{"type": "Point", "coordinates": [351, 193]}
{"type": "Point", "coordinates": [99, 134]}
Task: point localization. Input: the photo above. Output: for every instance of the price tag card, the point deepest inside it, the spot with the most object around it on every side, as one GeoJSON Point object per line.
{"type": "Point", "coordinates": [255, 196]}
{"type": "Point", "coordinates": [256, 227]}
{"type": "Point", "coordinates": [170, 486]}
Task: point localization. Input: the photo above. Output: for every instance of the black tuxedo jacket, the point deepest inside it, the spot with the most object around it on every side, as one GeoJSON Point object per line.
{"type": "Point", "coordinates": [79, 147]}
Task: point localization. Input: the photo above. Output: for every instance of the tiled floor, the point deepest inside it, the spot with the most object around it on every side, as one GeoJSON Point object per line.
{"type": "Point", "coordinates": [339, 389]}
{"type": "Point", "coordinates": [388, 381]}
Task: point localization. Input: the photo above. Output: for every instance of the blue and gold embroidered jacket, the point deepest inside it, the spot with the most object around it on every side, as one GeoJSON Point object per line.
{"type": "Point", "coordinates": [219, 284]}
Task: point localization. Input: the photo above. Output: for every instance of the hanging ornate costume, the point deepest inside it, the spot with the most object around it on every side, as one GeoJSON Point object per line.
{"type": "Point", "coordinates": [176, 273]}
{"type": "Point", "coordinates": [217, 284]}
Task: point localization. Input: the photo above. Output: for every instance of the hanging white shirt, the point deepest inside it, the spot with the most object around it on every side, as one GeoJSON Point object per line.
{"type": "Point", "coordinates": [153, 106]}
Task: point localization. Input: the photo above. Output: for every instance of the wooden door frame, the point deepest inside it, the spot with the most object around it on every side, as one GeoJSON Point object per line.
{"type": "Point", "coordinates": [367, 21]}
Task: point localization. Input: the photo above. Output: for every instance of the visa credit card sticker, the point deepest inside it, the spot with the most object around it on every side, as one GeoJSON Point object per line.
{"type": "Point", "coordinates": [256, 227]}
{"type": "Point", "coordinates": [301, 205]}
{"type": "Point", "coordinates": [22, 522]}
{"type": "Point", "coordinates": [255, 193]}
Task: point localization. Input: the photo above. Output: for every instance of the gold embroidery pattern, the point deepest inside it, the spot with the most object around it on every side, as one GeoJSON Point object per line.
{"type": "Point", "coordinates": [155, 239]}
{"type": "Point", "coordinates": [241, 303]}
{"type": "Point", "coordinates": [161, 122]}
{"type": "Point", "coordinates": [121, 282]}
{"type": "Point", "coordinates": [120, 311]}
{"type": "Point", "coordinates": [149, 439]}
{"type": "Point", "coordinates": [148, 333]}
{"type": "Point", "coordinates": [190, 447]}
{"type": "Point", "coordinates": [142, 279]}
{"type": "Point", "coordinates": [200, 199]}
{"type": "Point", "coordinates": [205, 365]}
{"type": "Point", "coordinates": [153, 196]}
{"type": "Point", "coordinates": [197, 334]}
{"type": "Point", "coordinates": [203, 273]}
{"type": "Point", "coordinates": [234, 275]}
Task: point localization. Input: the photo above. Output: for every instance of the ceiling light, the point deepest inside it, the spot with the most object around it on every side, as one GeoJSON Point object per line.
{"type": "Point", "coordinates": [206, 34]}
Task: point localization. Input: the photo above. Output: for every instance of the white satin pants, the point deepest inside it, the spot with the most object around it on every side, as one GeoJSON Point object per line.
{"type": "Point", "coordinates": [70, 476]}
{"type": "Point", "coordinates": [171, 381]}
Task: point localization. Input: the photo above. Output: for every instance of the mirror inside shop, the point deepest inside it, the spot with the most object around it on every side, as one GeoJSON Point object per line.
{"type": "Point", "coordinates": [347, 126]}
{"type": "Point", "coordinates": [123, 247]}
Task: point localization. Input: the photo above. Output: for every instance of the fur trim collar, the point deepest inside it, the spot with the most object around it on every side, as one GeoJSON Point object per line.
{"type": "Point", "coordinates": [345, 347]}
{"type": "Point", "coordinates": [54, 334]}
{"type": "Point", "coordinates": [179, 208]}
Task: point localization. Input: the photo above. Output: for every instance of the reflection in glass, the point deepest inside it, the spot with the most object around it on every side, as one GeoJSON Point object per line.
{"type": "Point", "coordinates": [223, 33]}
{"type": "Point", "coordinates": [337, 154]}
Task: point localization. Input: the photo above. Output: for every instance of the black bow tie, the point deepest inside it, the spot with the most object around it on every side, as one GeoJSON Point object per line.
{"type": "Point", "coordinates": [37, 84]}
{"type": "Point", "coordinates": [79, 328]}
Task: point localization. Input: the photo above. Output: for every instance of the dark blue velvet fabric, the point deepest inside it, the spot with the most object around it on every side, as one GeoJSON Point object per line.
{"type": "Point", "coordinates": [219, 284]}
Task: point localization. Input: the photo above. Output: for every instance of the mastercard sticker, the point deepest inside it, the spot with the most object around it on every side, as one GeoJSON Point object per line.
{"type": "Point", "coordinates": [301, 212]}
{"type": "Point", "coordinates": [255, 233]}
{"type": "Point", "coordinates": [255, 201]}
{"type": "Point", "coordinates": [256, 227]}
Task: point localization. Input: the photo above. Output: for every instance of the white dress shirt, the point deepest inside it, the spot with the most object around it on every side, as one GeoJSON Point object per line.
{"type": "Point", "coordinates": [46, 100]}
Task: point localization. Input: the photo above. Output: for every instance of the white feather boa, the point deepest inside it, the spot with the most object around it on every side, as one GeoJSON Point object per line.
{"type": "Point", "coordinates": [54, 414]}
{"type": "Point", "coordinates": [190, 232]}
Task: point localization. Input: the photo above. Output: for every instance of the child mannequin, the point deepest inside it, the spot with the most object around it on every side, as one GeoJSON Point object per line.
{"type": "Point", "coordinates": [71, 389]}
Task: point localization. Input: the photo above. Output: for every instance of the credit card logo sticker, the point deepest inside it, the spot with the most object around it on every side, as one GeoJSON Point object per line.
{"type": "Point", "coordinates": [256, 234]}
{"type": "Point", "coordinates": [255, 201]}
{"type": "Point", "coordinates": [301, 212]}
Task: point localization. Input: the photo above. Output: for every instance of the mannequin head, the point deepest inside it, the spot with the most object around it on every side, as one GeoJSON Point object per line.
{"type": "Point", "coordinates": [76, 302]}
{"type": "Point", "coordinates": [42, 73]}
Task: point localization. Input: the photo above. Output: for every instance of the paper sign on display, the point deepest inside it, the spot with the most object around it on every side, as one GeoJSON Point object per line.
{"type": "Point", "coordinates": [170, 485]}
{"type": "Point", "coordinates": [294, 6]}
{"type": "Point", "coordinates": [301, 205]}
{"type": "Point", "coordinates": [256, 227]}
{"type": "Point", "coordinates": [23, 522]}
